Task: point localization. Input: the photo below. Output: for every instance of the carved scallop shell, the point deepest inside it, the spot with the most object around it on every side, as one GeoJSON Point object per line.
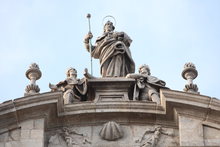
{"type": "Point", "coordinates": [111, 131]}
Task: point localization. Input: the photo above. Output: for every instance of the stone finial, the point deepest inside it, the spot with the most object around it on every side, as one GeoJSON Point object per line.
{"type": "Point", "coordinates": [33, 74]}
{"type": "Point", "coordinates": [189, 73]}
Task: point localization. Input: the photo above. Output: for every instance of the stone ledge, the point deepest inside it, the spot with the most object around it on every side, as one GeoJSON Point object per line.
{"type": "Point", "coordinates": [171, 102]}
{"type": "Point", "coordinates": [103, 107]}
{"type": "Point", "coordinates": [180, 97]}
{"type": "Point", "coordinates": [111, 80]}
{"type": "Point", "coordinates": [29, 101]}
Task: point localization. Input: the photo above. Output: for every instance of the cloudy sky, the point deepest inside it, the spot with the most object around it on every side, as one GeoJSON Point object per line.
{"type": "Point", "coordinates": [166, 34]}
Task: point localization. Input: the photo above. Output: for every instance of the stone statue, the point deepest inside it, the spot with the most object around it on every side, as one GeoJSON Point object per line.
{"type": "Point", "coordinates": [112, 49]}
{"type": "Point", "coordinates": [154, 137]}
{"type": "Point", "coordinates": [74, 89]}
{"type": "Point", "coordinates": [147, 87]}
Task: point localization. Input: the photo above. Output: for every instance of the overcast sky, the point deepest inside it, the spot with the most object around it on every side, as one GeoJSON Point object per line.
{"type": "Point", "coordinates": [166, 34]}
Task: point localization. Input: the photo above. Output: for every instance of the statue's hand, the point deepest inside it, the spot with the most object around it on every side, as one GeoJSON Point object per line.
{"type": "Point", "coordinates": [88, 36]}
{"type": "Point", "coordinates": [53, 87]}
{"type": "Point", "coordinates": [128, 76]}
{"type": "Point", "coordinates": [86, 74]}
{"type": "Point", "coordinates": [85, 71]}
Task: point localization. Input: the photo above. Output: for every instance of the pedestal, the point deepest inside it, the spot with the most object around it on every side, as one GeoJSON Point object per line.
{"type": "Point", "coordinates": [111, 89]}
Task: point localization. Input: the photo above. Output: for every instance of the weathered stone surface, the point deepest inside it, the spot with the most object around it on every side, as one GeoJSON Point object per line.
{"type": "Point", "coordinates": [37, 134]}
{"type": "Point", "coordinates": [39, 124]}
{"type": "Point", "coordinates": [191, 131]}
{"type": "Point", "coordinates": [4, 137]}
{"type": "Point", "coordinates": [186, 119]}
{"type": "Point", "coordinates": [27, 125]}
{"type": "Point", "coordinates": [13, 144]}
{"type": "Point", "coordinates": [25, 134]}
{"type": "Point", "coordinates": [2, 144]}
{"type": "Point", "coordinates": [211, 136]}
{"type": "Point", "coordinates": [14, 135]}
{"type": "Point", "coordinates": [32, 143]}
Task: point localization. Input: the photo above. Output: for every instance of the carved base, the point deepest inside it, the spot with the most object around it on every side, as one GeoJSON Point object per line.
{"type": "Point", "coordinates": [31, 89]}
{"type": "Point", "coordinates": [192, 88]}
{"type": "Point", "coordinates": [110, 89]}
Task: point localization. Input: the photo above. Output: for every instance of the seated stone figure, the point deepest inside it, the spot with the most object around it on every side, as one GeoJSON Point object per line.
{"type": "Point", "coordinates": [147, 86]}
{"type": "Point", "coordinates": [74, 89]}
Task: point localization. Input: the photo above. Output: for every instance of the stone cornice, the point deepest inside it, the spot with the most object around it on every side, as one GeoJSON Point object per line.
{"type": "Point", "coordinates": [29, 101]}
{"type": "Point", "coordinates": [173, 103]}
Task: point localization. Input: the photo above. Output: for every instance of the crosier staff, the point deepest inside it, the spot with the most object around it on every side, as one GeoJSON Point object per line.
{"type": "Point", "coordinates": [90, 41]}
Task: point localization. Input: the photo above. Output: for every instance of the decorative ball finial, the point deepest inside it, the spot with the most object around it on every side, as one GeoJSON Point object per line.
{"type": "Point", "coordinates": [33, 74]}
{"type": "Point", "coordinates": [88, 15]}
{"type": "Point", "coordinates": [189, 73]}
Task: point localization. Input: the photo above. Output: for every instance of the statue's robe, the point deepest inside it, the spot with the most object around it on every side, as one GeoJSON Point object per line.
{"type": "Point", "coordinates": [114, 54]}
{"type": "Point", "coordinates": [74, 90]}
{"type": "Point", "coordinates": [148, 85]}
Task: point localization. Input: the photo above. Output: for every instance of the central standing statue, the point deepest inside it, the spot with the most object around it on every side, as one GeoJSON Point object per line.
{"type": "Point", "coordinates": [112, 49]}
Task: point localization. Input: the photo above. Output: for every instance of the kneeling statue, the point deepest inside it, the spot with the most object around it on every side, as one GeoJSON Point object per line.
{"type": "Point", "coordinates": [147, 87]}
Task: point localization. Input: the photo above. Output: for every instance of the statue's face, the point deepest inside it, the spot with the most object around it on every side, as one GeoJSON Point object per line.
{"type": "Point", "coordinates": [108, 27]}
{"type": "Point", "coordinates": [144, 70]}
{"type": "Point", "coordinates": [72, 72]}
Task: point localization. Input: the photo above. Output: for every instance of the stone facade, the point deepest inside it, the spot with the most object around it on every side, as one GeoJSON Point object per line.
{"type": "Point", "coordinates": [110, 117]}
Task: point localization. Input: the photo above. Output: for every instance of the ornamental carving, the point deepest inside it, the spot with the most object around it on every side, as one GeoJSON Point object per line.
{"type": "Point", "coordinates": [69, 138]}
{"type": "Point", "coordinates": [111, 131]}
{"type": "Point", "coordinates": [152, 136]}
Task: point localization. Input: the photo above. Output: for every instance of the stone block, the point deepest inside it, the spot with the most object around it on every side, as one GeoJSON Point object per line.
{"type": "Point", "coordinates": [37, 134]}
{"type": "Point", "coordinates": [39, 123]}
{"type": "Point", "coordinates": [25, 134]}
{"type": "Point", "coordinates": [191, 131]}
{"type": "Point", "coordinates": [2, 144]}
{"type": "Point", "coordinates": [8, 144]}
{"type": "Point", "coordinates": [4, 137]}
{"type": "Point", "coordinates": [32, 143]}
{"type": "Point", "coordinates": [14, 135]}
{"type": "Point", "coordinates": [27, 125]}
{"type": "Point", "coordinates": [211, 136]}
{"type": "Point", "coordinates": [13, 144]}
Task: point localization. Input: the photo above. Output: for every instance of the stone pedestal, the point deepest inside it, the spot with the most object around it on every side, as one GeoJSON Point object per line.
{"type": "Point", "coordinates": [111, 89]}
